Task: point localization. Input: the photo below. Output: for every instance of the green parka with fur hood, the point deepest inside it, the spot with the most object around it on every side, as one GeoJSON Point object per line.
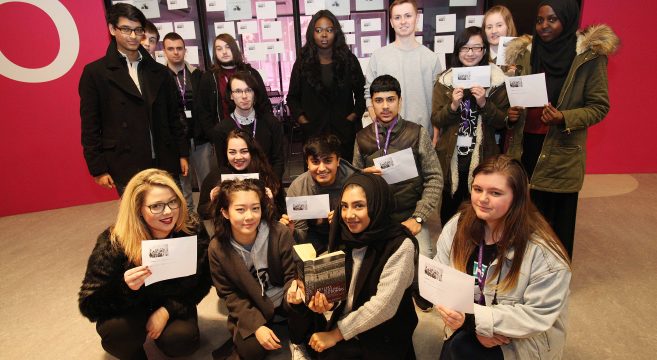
{"type": "Point", "coordinates": [584, 101]}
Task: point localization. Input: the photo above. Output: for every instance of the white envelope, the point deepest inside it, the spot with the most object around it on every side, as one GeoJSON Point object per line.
{"type": "Point", "coordinates": [373, 24]}
{"type": "Point", "coordinates": [191, 55]}
{"type": "Point", "coordinates": [160, 57]}
{"type": "Point", "coordinates": [527, 91]}
{"type": "Point", "coordinates": [150, 8]}
{"type": "Point", "coordinates": [271, 30]}
{"type": "Point", "coordinates": [238, 10]}
{"type": "Point", "coordinates": [462, 2]}
{"type": "Point", "coordinates": [339, 7]}
{"type": "Point", "coordinates": [226, 27]}
{"type": "Point", "coordinates": [501, 50]}
{"type": "Point", "coordinates": [368, 44]}
{"type": "Point", "coordinates": [163, 28]}
{"type": "Point", "coordinates": [350, 39]}
{"type": "Point", "coordinates": [266, 9]}
{"type": "Point", "coordinates": [177, 4]}
{"type": "Point", "coordinates": [469, 76]}
{"type": "Point", "coordinates": [247, 27]}
{"type": "Point", "coordinates": [443, 285]}
{"type": "Point", "coordinates": [313, 6]}
{"type": "Point", "coordinates": [273, 47]}
{"type": "Point", "coordinates": [348, 26]}
{"type": "Point", "coordinates": [369, 5]}
{"type": "Point", "coordinates": [474, 20]}
{"type": "Point", "coordinates": [445, 23]}
{"type": "Point", "coordinates": [308, 207]}
{"type": "Point", "coordinates": [398, 166]}
{"type": "Point", "coordinates": [169, 258]}
{"type": "Point", "coordinates": [255, 52]}
{"type": "Point", "coordinates": [215, 5]}
{"type": "Point", "coordinates": [443, 44]}
{"type": "Point", "coordinates": [185, 29]}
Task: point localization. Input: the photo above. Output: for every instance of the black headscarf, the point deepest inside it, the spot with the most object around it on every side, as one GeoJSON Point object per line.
{"type": "Point", "coordinates": [380, 204]}
{"type": "Point", "coordinates": [556, 57]}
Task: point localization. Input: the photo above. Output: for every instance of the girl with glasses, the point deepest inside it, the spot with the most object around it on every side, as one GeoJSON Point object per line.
{"type": "Point", "coordinates": [113, 293]}
{"type": "Point", "coordinates": [467, 119]}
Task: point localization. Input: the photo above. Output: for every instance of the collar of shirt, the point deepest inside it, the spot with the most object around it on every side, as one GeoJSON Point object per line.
{"type": "Point", "coordinates": [245, 120]}
{"type": "Point", "coordinates": [128, 60]}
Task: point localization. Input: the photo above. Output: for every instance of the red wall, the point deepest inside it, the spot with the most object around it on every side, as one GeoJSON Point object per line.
{"type": "Point", "coordinates": [42, 161]}
{"type": "Point", "coordinates": [613, 146]}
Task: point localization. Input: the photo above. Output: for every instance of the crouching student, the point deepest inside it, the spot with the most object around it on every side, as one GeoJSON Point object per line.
{"type": "Point", "coordinates": [326, 174]}
{"type": "Point", "coordinates": [417, 198]}
{"type": "Point", "coordinates": [113, 293]}
{"type": "Point", "coordinates": [378, 318]}
{"type": "Point", "coordinates": [521, 268]}
{"type": "Point", "coordinates": [251, 265]}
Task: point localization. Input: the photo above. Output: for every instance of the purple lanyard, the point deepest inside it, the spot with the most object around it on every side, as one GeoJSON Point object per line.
{"type": "Point", "coordinates": [237, 123]}
{"type": "Point", "coordinates": [182, 87]}
{"type": "Point", "coordinates": [376, 134]}
{"type": "Point", "coordinates": [481, 275]}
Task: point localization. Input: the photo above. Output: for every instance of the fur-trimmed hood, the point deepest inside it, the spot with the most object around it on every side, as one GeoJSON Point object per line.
{"type": "Point", "coordinates": [496, 77]}
{"type": "Point", "coordinates": [600, 39]}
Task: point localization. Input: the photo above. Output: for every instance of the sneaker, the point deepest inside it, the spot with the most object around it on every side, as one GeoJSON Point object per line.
{"type": "Point", "coordinates": [424, 304]}
{"type": "Point", "coordinates": [299, 352]}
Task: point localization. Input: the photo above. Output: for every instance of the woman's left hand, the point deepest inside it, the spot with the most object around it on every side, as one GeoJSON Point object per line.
{"type": "Point", "coordinates": [552, 116]}
{"type": "Point", "coordinates": [479, 94]}
{"type": "Point", "coordinates": [325, 340]}
{"type": "Point", "coordinates": [330, 216]}
{"type": "Point", "coordinates": [319, 304]}
{"type": "Point", "coordinates": [351, 117]}
{"type": "Point", "coordinates": [413, 226]}
{"type": "Point", "coordinates": [453, 319]}
{"type": "Point", "coordinates": [490, 342]}
{"type": "Point", "coordinates": [156, 323]}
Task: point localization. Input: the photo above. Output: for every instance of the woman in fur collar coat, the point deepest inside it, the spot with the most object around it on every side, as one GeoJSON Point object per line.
{"type": "Point", "coordinates": [551, 140]}
{"type": "Point", "coordinates": [467, 119]}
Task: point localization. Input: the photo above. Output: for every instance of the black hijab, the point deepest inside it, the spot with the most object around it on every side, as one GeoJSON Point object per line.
{"type": "Point", "coordinates": [556, 57]}
{"type": "Point", "coordinates": [380, 204]}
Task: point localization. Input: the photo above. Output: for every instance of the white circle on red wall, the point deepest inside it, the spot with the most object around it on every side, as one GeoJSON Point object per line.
{"type": "Point", "coordinates": [66, 56]}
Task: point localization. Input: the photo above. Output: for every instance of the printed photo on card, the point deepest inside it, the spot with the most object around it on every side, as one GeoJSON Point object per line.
{"type": "Point", "coordinates": [445, 23]}
{"type": "Point", "coordinates": [308, 207]}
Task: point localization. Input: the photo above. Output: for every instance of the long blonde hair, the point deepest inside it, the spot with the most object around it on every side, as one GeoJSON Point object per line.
{"type": "Point", "coordinates": [130, 228]}
{"type": "Point", "coordinates": [506, 15]}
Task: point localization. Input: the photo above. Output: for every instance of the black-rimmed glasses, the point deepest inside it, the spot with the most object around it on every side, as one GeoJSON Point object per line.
{"type": "Point", "coordinates": [158, 208]}
{"type": "Point", "coordinates": [127, 30]}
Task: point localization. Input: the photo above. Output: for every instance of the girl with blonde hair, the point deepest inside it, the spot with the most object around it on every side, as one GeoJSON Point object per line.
{"type": "Point", "coordinates": [113, 293]}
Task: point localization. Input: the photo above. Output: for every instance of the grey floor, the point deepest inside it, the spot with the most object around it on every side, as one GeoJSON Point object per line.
{"type": "Point", "coordinates": [612, 308]}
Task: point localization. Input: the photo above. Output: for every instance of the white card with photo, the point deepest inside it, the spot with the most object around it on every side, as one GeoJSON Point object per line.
{"type": "Point", "coordinates": [474, 20]}
{"type": "Point", "coordinates": [313, 6]}
{"type": "Point", "coordinates": [348, 26]}
{"type": "Point", "coordinates": [308, 207]}
{"type": "Point", "coordinates": [169, 258]}
{"type": "Point", "coordinates": [255, 52]}
{"type": "Point", "coordinates": [445, 23]}
{"type": "Point", "coordinates": [273, 47]}
{"type": "Point", "coordinates": [373, 24]}
{"type": "Point", "coordinates": [247, 27]}
{"type": "Point", "coordinates": [420, 22]}
{"type": "Point", "coordinates": [527, 91]}
{"type": "Point", "coordinates": [185, 29]}
{"type": "Point", "coordinates": [191, 55]}
{"type": "Point", "coordinates": [160, 57]}
{"type": "Point", "coordinates": [177, 4]}
{"type": "Point", "coordinates": [266, 9]}
{"type": "Point", "coordinates": [339, 7]}
{"type": "Point", "coordinates": [369, 5]}
{"type": "Point", "coordinates": [501, 50]}
{"type": "Point", "coordinates": [272, 30]}
{"type": "Point", "coordinates": [150, 8]}
{"type": "Point", "coordinates": [398, 166]}
{"type": "Point", "coordinates": [368, 44]}
{"type": "Point", "coordinates": [350, 39]}
{"type": "Point", "coordinates": [215, 5]}
{"type": "Point", "coordinates": [444, 285]}
{"type": "Point", "coordinates": [462, 2]}
{"type": "Point", "coordinates": [225, 177]}
{"type": "Point", "coordinates": [469, 76]}
{"type": "Point", "coordinates": [225, 27]}
{"type": "Point", "coordinates": [238, 10]}
{"type": "Point", "coordinates": [443, 44]}
{"type": "Point", "coordinates": [163, 28]}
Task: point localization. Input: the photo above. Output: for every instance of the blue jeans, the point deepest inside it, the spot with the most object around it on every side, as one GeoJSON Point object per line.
{"type": "Point", "coordinates": [424, 240]}
{"type": "Point", "coordinates": [202, 160]}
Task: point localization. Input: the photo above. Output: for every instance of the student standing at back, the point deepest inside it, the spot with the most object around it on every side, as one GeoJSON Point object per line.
{"type": "Point", "coordinates": [412, 64]}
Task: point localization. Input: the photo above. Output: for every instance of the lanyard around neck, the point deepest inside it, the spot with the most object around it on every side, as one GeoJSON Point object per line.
{"type": "Point", "coordinates": [183, 86]}
{"type": "Point", "coordinates": [481, 274]}
{"type": "Point", "coordinates": [237, 123]}
{"type": "Point", "coordinates": [376, 134]}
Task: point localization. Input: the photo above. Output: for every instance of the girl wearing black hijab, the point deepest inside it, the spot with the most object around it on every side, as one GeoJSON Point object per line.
{"type": "Point", "coordinates": [551, 140]}
{"type": "Point", "coordinates": [378, 318]}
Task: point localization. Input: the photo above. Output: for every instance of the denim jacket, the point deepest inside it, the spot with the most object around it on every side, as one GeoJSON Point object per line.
{"type": "Point", "coordinates": [533, 314]}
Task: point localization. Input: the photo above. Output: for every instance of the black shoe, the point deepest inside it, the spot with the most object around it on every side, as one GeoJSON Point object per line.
{"type": "Point", "coordinates": [424, 304]}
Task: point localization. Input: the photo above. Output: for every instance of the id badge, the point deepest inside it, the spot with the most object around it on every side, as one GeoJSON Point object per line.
{"type": "Point", "coordinates": [188, 114]}
{"type": "Point", "coordinates": [464, 141]}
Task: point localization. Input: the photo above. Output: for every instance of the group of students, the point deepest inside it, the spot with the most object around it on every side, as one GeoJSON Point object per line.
{"type": "Point", "coordinates": [508, 219]}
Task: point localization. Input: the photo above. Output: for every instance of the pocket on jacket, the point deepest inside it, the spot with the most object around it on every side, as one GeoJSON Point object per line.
{"type": "Point", "coordinates": [564, 162]}
{"type": "Point", "coordinates": [108, 144]}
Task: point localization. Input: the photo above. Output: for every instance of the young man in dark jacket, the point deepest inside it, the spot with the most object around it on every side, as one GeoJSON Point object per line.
{"type": "Point", "coordinates": [129, 108]}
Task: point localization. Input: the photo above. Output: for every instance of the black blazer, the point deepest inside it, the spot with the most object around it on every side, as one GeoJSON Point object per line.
{"type": "Point", "coordinates": [117, 119]}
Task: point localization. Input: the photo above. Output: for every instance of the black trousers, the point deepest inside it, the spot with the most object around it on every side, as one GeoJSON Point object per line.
{"type": "Point", "coordinates": [451, 203]}
{"type": "Point", "coordinates": [463, 344]}
{"type": "Point", "coordinates": [124, 337]}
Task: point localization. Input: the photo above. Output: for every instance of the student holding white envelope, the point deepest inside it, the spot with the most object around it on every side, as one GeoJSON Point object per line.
{"type": "Point", "coordinates": [467, 118]}
{"type": "Point", "coordinates": [551, 140]}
